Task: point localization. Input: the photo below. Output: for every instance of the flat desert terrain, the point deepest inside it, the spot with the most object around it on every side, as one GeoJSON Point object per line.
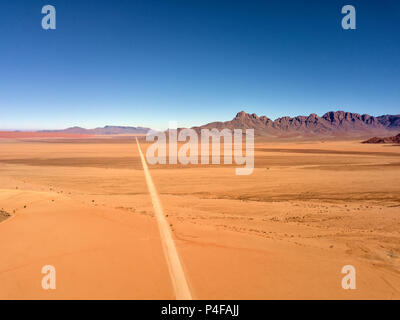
{"type": "Point", "coordinates": [284, 232]}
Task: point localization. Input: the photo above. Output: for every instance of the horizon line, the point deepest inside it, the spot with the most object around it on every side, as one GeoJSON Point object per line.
{"type": "Point", "coordinates": [145, 127]}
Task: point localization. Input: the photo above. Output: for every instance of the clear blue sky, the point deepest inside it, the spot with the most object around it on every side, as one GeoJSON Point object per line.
{"type": "Point", "coordinates": [148, 62]}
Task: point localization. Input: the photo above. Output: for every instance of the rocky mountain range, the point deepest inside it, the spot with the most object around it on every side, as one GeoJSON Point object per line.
{"type": "Point", "coordinates": [333, 123]}
{"type": "Point", "coordinates": [102, 131]}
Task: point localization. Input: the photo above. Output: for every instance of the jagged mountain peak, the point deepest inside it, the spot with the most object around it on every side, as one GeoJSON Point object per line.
{"type": "Point", "coordinates": [332, 123]}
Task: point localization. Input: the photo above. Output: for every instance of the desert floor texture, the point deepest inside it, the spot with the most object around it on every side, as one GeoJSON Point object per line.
{"type": "Point", "coordinates": [284, 232]}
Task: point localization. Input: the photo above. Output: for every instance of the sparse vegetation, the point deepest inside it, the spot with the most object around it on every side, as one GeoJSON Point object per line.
{"type": "Point", "coordinates": [4, 215]}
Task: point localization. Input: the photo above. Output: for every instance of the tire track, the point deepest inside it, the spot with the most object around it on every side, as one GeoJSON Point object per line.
{"type": "Point", "coordinates": [177, 274]}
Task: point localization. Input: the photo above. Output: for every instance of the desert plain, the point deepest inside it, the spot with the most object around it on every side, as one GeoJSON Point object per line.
{"type": "Point", "coordinates": [284, 232]}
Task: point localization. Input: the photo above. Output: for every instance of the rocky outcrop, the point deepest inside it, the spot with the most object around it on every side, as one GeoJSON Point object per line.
{"type": "Point", "coordinates": [394, 139]}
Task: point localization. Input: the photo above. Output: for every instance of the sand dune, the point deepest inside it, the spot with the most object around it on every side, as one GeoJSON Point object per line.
{"type": "Point", "coordinates": [283, 232]}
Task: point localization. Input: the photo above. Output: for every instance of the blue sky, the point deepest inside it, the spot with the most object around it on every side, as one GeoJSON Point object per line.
{"type": "Point", "coordinates": [149, 62]}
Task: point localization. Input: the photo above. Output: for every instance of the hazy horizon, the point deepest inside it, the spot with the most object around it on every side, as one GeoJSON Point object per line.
{"type": "Point", "coordinates": [166, 126]}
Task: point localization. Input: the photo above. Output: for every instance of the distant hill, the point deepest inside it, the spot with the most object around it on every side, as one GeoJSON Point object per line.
{"type": "Point", "coordinates": [101, 131]}
{"type": "Point", "coordinates": [394, 139]}
{"type": "Point", "coordinates": [333, 123]}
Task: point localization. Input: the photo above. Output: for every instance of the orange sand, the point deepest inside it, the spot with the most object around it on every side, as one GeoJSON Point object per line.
{"type": "Point", "coordinates": [283, 232]}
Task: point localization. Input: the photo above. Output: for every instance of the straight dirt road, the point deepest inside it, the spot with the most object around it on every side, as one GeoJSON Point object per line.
{"type": "Point", "coordinates": [177, 273]}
